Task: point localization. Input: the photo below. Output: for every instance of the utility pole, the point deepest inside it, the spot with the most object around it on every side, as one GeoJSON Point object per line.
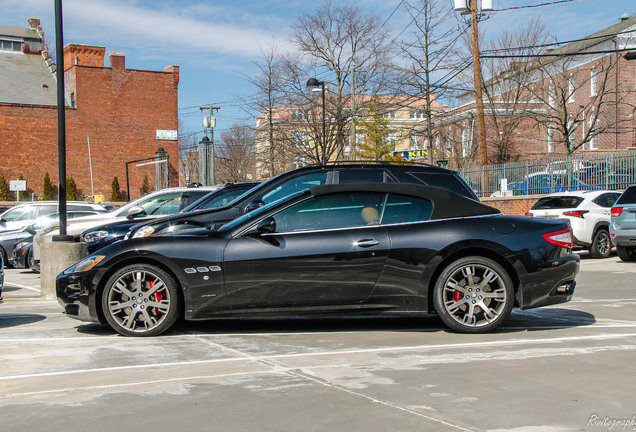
{"type": "Point", "coordinates": [207, 171]}
{"type": "Point", "coordinates": [481, 123]}
{"type": "Point", "coordinates": [353, 112]}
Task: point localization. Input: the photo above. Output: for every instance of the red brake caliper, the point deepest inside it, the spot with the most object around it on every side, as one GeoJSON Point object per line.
{"type": "Point", "coordinates": [158, 296]}
{"type": "Point", "coordinates": [457, 295]}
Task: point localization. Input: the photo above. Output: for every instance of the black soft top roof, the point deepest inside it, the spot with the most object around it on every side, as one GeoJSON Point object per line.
{"type": "Point", "coordinates": [447, 204]}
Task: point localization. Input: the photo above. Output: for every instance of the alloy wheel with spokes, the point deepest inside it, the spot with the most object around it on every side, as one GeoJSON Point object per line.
{"type": "Point", "coordinates": [474, 295]}
{"type": "Point", "coordinates": [141, 300]}
{"type": "Point", "coordinates": [601, 244]}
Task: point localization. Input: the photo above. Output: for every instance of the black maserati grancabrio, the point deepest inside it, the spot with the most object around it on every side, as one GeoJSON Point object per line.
{"type": "Point", "coordinates": [341, 250]}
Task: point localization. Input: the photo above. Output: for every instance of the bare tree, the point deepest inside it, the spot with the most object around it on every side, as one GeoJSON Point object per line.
{"type": "Point", "coordinates": [236, 155]}
{"type": "Point", "coordinates": [429, 55]}
{"type": "Point", "coordinates": [337, 44]}
{"type": "Point", "coordinates": [270, 100]}
{"type": "Point", "coordinates": [582, 99]}
{"type": "Point", "coordinates": [188, 156]}
{"type": "Point", "coordinates": [508, 98]}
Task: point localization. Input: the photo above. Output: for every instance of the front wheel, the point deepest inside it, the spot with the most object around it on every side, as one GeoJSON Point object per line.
{"type": "Point", "coordinates": [626, 253]}
{"type": "Point", "coordinates": [473, 295]}
{"type": "Point", "coordinates": [601, 244]}
{"type": "Point", "coordinates": [141, 300]}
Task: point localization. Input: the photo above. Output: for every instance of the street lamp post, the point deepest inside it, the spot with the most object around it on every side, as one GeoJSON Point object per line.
{"type": "Point", "coordinates": [313, 83]}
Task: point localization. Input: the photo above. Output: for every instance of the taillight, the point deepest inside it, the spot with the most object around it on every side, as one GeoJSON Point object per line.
{"type": "Point", "coordinates": [576, 213]}
{"type": "Point", "coordinates": [616, 211]}
{"type": "Point", "coordinates": [562, 238]}
{"type": "Point", "coordinates": [529, 214]}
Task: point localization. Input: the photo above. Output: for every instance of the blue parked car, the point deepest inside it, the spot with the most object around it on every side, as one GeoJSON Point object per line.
{"type": "Point", "coordinates": [540, 184]}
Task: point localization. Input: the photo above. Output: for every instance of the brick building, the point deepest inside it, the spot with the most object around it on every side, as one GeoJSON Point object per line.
{"type": "Point", "coordinates": [123, 114]}
{"type": "Point", "coordinates": [580, 98]}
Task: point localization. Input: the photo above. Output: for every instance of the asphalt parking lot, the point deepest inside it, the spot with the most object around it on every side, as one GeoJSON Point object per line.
{"type": "Point", "coordinates": [563, 368]}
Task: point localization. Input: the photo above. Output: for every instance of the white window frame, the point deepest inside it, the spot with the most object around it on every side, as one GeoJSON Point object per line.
{"type": "Point", "coordinates": [413, 140]}
{"type": "Point", "coordinates": [571, 85]}
{"type": "Point", "coordinates": [550, 139]}
{"type": "Point", "coordinates": [594, 138]}
{"type": "Point", "coordinates": [465, 142]}
{"type": "Point", "coordinates": [551, 93]}
{"type": "Point", "coordinates": [391, 138]}
{"type": "Point", "coordinates": [593, 82]}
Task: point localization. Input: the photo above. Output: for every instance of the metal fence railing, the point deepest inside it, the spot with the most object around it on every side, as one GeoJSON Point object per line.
{"type": "Point", "coordinates": [615, 171]}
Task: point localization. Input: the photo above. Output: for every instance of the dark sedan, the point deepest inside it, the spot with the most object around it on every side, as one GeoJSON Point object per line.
{"type": "Point", "coordinates": [103, 235]}
{"type": "Point", "coordinates": [357, 249]}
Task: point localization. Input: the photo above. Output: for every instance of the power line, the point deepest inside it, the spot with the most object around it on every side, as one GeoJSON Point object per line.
{"type": "Point", "coordinates": [558, 43]}
{"type": "Point", "coordinates": [558, 54]}
{"type": "Point", "coordinates": [533, 6]}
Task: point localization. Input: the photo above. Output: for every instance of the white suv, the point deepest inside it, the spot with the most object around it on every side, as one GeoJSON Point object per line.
{"type": "Point", "coordinates": [588, 213]}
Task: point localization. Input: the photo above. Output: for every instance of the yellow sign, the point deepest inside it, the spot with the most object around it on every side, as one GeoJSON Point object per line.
{"type": "Point", "coordinates": [99, 198]}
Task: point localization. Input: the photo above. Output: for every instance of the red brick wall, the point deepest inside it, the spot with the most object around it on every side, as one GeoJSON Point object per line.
{"type": "Point", "coordinates": [512, 205]}
{"type": "Point", "coordinates": [118, 109]}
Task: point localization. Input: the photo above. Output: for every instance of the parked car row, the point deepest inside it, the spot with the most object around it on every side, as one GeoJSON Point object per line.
{"type": "Point", "coordinates": [623, 226]}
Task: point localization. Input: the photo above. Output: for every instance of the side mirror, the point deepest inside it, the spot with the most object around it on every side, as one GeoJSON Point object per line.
{"type": "Point", "coordinates": [254, 205]}
{"type": "Point", "coordinates": [266, 226]}
{"type": "Point", "coordinates": [3, 221]}
{"type": "Point", "coordinates": [31, 229]}
{"type": "Point", "coordinates": [135, 211]}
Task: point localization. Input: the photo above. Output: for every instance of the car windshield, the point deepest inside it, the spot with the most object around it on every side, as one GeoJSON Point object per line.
{"type": "Point", "coordinates": [255, 213]}
{"type": "Point", "coordinates": [220, 199]}
{"type": "Point", "coordinates": [557, 202]}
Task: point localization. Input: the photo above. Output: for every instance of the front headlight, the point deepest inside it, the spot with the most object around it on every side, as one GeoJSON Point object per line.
{"type": "Point", "coordinates": [21, 244]}
{"type": "Point", "coordinates": [94, 236]}
{"type": "Point", "coordinates": [144, 232]}
{"type": "Point", "coordinates": [85, 264]}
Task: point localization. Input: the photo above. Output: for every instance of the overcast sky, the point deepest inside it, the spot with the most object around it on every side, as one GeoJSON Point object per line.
{"type": "Point", "coordinates": [215, 43]}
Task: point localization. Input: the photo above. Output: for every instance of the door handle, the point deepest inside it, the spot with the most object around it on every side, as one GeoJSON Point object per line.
{"type": "Point", "coordinates": [366, 243]}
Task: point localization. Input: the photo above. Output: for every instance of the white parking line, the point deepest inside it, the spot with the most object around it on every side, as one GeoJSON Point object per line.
{"type": "Point", "coordinates": [11, 284]}
{"type": "Point", "coordinates": [248, 357]}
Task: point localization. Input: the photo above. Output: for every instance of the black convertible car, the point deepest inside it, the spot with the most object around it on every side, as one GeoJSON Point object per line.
{"type": "Point", "coordinates": [356, 249]}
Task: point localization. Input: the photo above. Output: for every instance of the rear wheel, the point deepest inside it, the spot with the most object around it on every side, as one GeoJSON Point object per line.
{"type": "Point", "coordinates": [141, 300]}
{"type": "Point", "coordinates": [4, 257]}
{"type": "Point", "coordinates": [601, 244]}
{"type": "Point", "coordinates": [473, 295]}
{"type": "Point", "coordinates": [626, 253]}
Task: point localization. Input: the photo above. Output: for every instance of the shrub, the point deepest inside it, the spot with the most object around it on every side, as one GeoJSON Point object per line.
{"type": "Point", "coordinates": [115, 193]}
{"type": "Point", "coordinates": [71, 189]}
{"type": "Point", "coordinates": [47, 188]}
{"type": "Point", "coordinates": [4, 189]}
{"type": "Point", "coordinates": [145, 187]}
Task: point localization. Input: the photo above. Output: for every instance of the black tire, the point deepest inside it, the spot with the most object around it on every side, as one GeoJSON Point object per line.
{"type": "Point", "coordinates": [601, 244]}
{"type": "Point", "coordinates": [4, 257]}
{"type": "Point", "coordinates": [626, 253]}
{"type": "Point", "coordinates": [30, 262]}
{"type": "Point", "coordinates": [141, 300]}
{"type": "Point", "coordinates": [473, 295]}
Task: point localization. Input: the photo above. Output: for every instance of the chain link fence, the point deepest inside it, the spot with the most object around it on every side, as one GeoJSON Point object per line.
{"type": "Point", "coordinates": [597, 171]}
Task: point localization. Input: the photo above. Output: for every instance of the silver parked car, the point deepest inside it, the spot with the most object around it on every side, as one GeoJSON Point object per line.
{"type": "Point", "coordinates": [623, 226]}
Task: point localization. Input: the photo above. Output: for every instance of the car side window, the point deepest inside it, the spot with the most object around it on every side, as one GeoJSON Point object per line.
{"type": "Point", "coordinates": [404, 209]}
{"type": "Point", "coordinates": [606, 200]}
{"type": "Point", "coordinates": [47, 210]}
{"type": "Point", "coordinates": [295, 184]}
{"type": "Point", "coordinates": [223, 199]}
{"type": "Point", "coordinates": [191, 196]}
{"type": "Point", "coordinates": [332, 211]}
{"type": "Point", "coordinates": [19, 214]}
{"type": "Point", "coordinates": [162, 204]}
{"type": "Point", "coordinates": [363, 176]}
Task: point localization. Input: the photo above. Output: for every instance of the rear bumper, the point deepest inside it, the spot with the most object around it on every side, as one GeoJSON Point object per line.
{"type": "Point", "coordinates": [553, 284]}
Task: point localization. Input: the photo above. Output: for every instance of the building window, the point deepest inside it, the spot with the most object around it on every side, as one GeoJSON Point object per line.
{"type": "Point", "coordinates": [593, 82]}
{"type": "Point", "coordinates": [550, 139]}
{"type": "Point", "coordinates": [594, 138]}
{"type": "Point", "coordinates": [413, 140]}
{"type": "Point", "coordinates": [465, 142]}
{"type": "Point", "coordinates": [299, 114]}
{"type": "Point", "coordinates": [391, 138]}
{"type": "Point", "coordinates": [300, 139]}
{"type": "Point", "coordinates": [417, 114]}
{"type": "Point", "coordinates": [571, 89]}
{"type": "Point", "coordinates": [359, 138]}
{"type": "Point", "coordinates": [571, 134]}
{"type": "Point", "coordinates": [551, 92]}
{"type": "Point", "coordinates": [389, 114]}
{"type": "Point", "coordinates": [8, 45]}
{"type": "Point", "coordinates": [73, 100]}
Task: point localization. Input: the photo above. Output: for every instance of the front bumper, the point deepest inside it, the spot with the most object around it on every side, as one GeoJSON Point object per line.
{"type": "Point", "coordinates": [552, 284]}
{"type": "Point", "coordinates": [76, 293]}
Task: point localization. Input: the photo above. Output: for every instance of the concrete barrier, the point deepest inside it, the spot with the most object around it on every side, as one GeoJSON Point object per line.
{"type": "Point", "coordinates": [55, 257]}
